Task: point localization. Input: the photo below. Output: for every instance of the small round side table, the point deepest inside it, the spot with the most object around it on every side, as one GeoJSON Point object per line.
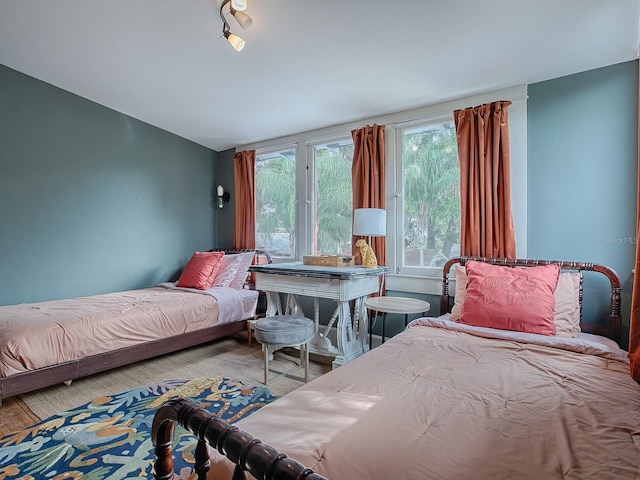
{"type": "Point", "coordinates": [401, 305]}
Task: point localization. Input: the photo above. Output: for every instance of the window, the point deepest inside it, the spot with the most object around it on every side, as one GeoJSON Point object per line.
{"type": "Point", "coordinates": [422, 189]}
{"type": "Point", "coordinates": [275, 181]}
{"type": "Point", "coordinates": [333, 200]}
{"type": "Point", "coordinates": [431, 192]}
{"type": "Point", "coordinates": [304, 199]}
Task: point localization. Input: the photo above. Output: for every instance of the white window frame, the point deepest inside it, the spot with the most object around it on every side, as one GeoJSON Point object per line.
{"type": "Point", "coordinates": [310, 219]}
{"type": "Point", "coordinates": [430, 281]}
{"type": "Point", "coordinates": [305, 175]}
{"type": "Point", "coordinates": [399, 205]}
{"type": "Point", "coordinates": [278, 149]}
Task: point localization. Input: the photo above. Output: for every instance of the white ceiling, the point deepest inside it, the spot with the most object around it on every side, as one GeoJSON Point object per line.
{"type": "Point", "coordinates": [307, 64]}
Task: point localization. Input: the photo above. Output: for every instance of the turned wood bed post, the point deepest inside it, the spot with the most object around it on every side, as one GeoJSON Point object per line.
{"type": "Point", "coordinates": [249, 454]}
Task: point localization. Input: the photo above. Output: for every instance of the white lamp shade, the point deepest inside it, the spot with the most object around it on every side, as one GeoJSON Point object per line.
{"type": "Point", "coordinates": [242, 18]}
{"type": "Point", "coordinates": [239, 5]}
{"type": "Point", "coordinates": [370, 222]}
{"type": "Point", "coordinates": [235, 41]}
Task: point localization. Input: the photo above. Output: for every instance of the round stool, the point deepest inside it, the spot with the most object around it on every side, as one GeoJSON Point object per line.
{"type": "Point", "coordinates": [282, 331]}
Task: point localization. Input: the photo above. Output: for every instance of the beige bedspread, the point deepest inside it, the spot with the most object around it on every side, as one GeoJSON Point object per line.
{"type": "Point", "coordinates": [437, 403]}
{"type": "Point", "coordinates": [48, 333]}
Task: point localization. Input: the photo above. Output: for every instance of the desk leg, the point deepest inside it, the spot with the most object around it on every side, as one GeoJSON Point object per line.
{"type": "Point", "coordinates": [273, 304]}
{"type": "Point", "coordinates": [349, 347]}
{"type": "Point", "coordinates": [293, 306]}
{"type": "Point", "coordinates": [319, 343]}
{"type": "Point", "coordinates": [362, 323]}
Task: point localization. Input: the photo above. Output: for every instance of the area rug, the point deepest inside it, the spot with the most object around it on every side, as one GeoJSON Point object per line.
{"type": "Point", "coordinates": [109, 437]}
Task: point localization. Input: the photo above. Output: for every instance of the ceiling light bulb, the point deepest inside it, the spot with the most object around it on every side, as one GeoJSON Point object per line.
{"type": "Point", "coordinates": [235, 41]}
{"type": "Point", "coordinates": [239, 5]}
{"type": "Point", "coordinates": [244, 20]}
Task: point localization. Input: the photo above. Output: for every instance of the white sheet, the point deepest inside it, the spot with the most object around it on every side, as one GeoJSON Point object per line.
{"type": "Point", "coordinates": [233, 304]}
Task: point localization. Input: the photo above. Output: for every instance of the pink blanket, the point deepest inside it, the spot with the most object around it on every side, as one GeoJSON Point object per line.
{"type": "Point", "coordinates": [440, 402]}
{"type": "Point", "coordinates": [42, 334]}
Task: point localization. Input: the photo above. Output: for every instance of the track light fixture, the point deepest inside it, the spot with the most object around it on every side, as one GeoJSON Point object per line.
{"type": "Point", "coordinates": [236, 8]}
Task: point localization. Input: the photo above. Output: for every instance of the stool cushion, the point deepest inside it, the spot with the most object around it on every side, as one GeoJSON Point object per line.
{"type": "Point", "coordinates": [284, 330]}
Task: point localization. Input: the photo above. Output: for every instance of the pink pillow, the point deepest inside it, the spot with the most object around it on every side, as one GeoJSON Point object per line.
{"type": "Point", "coordinates": [201, 270]}
{"type": "Point", "coordinates": [507, 298]}
{"type": "Point", "coordinates": [227, 272]}
{"type": "Point", "coordinates": [243, 270]}
{"type": "Point", "coordinates": [234, 270]}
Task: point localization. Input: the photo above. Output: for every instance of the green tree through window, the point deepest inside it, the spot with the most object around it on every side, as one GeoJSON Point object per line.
{"type": "Point", "coordinates": [431, 178]}
{"type": "Point", "coordinates": [333, 198]}
{"type": "Point", "coordinates": [275, 179]}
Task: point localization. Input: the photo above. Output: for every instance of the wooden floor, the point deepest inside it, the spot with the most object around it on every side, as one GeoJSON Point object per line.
{"type": "Point", "coordinates": [15, 415]}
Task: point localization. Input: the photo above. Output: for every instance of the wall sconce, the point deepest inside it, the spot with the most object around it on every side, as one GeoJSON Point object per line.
{"type": "Point", "coordinates": [223, 197]}
{"type": "Point", "coordinates": [236, 8]}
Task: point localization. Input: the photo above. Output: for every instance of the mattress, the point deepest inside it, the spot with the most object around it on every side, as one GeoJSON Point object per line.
{"type": "Point", "coordinates": [448, 401]}
{"type": "Point", "coordinates": [38, 335]}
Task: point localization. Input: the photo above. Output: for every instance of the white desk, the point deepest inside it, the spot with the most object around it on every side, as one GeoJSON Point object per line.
{"type": "Point", "coordinates": [342, 284]}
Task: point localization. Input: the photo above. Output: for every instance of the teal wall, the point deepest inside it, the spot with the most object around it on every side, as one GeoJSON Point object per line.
{"type": "Point", "coordinates": [92, 200]}
{"type": "Point", "coordinates": [582, 170]}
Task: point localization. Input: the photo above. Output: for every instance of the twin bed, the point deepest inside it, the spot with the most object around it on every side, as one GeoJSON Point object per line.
{"type": "Point", "coordinates": [46, 343]}
{"type": "Point", "coordinates": [468, 397]}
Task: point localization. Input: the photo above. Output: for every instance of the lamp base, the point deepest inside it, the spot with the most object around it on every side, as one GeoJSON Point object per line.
{"type": "Point", "coordinates": [369, 259]}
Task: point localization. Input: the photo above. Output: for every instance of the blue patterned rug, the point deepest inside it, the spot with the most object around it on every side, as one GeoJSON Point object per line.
{"type": "Point", "coordinates": [109, 438]}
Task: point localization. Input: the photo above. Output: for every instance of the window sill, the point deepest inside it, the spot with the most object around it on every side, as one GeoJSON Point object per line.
{"type": "Point", "coordinates": [430, 285]}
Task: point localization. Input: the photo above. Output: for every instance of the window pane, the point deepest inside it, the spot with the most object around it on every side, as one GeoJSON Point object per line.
{"type": "Point", "coordinates": [431, 189]}
{"type": "Point", "coordinates": [275, 177]}
{"type": "Point", "coordinates": [333, 198]}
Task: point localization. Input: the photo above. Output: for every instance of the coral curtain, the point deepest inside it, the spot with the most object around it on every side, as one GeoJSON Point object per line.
{"type": "Point", "coordinates": [367, 173]}
{"type": "Point", "coordinates": [244, 231]}
{"type": "Point", "coordinates": [486, 223]}
{"type": "Point", "coordinates": [634, 327]}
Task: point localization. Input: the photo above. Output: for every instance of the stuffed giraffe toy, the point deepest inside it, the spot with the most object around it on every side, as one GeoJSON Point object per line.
{"type": "Point", "coordinates": [369, 259]}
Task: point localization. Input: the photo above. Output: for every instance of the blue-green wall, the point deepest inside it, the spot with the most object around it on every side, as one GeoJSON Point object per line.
{"type": "Point", "coordinates": [582, 166]}
{"type": "Point", "coordinates": [582, 170]}
{"type": "Point", "coordinates": [92, 200]}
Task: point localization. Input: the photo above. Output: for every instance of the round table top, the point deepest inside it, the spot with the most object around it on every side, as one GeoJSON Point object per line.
{"type": "Point", "coordinates": [397, 305]}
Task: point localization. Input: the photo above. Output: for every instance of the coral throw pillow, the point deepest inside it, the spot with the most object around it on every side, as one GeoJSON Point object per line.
{"type": "Point", "coordinates": [507, 298]}
{"type": "Point", "coordinates": [201, 270]}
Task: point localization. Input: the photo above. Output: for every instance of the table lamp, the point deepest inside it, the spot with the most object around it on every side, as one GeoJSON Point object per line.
{"type": "Point", "coordinates": [369, 222]}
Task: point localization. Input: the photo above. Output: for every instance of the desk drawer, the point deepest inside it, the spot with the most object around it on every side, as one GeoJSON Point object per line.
{"type": "Point", "coordinates": [335, 289]}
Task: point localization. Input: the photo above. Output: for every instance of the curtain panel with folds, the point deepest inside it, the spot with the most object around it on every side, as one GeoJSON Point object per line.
{"type": "Point", "coordinates": [368, 175]}
{"type": "Point", "coordinates": [486, 224]}
{"type": "Point", "coordinates": [634, 327]}
{"type": "Point", "coordinates": [244, 230]}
